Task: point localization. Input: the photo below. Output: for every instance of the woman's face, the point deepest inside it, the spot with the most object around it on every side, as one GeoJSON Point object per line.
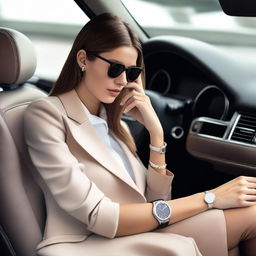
{"type": "Point", "coordinates": [97, 85]}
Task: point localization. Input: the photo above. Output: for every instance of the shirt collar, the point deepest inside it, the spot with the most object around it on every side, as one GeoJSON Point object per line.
{"type": "Point", "coordinates": [97, 120]}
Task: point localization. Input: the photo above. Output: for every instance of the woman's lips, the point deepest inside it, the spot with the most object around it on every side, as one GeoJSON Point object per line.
{"type": "Point", "coordinates": [114, 92]}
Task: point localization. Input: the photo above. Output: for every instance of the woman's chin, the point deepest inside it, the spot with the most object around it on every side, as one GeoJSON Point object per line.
{"type": "Point", "coordinates": [108, 101]}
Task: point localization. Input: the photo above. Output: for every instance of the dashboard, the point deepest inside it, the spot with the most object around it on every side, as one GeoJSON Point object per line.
{"type": "Point", "coordinates": [205, 99]}
{"type": "Point", "coordinates": [175, 77]}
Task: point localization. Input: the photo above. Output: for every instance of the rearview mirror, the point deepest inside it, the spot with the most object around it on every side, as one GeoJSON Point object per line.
{"type": "Point", "coordinates": [239, 7]}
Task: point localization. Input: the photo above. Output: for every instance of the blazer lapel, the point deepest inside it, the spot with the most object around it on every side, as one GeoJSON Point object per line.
{"type": "Point", "coordinates": [138, 168]}
{"type": "Point", "coordinates": [85, 135]}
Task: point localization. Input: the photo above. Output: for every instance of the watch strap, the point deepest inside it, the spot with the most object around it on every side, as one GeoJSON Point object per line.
{"type": "Point", "coordinates": [160, 150]}
{"type": "Point", "coordinates": [163, 225]}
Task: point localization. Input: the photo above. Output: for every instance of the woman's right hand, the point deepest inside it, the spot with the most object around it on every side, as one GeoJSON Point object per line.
{"type": "Point", "coordinates": [239, 192]}
{"type": "Point", "coordinates": [138, 105]}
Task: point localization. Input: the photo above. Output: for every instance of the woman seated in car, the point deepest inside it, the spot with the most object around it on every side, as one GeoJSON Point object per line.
{"type": "Point", "coordinates": [100, 198]}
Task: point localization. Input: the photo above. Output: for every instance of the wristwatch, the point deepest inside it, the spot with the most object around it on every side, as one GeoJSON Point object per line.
{"type": "Point", "coordinates": [162, 212]}
{"type": "Point", "coordinates": [160, 150]}
{"type": "Point", "coordinates": [209, 199]}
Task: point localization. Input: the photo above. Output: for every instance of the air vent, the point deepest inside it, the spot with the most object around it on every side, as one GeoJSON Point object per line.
{"type": "Point", "coordinates": [245, 130]}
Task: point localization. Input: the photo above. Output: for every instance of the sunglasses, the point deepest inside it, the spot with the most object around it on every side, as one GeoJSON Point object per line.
{"type": "Point", "coordinates": [115, 69]}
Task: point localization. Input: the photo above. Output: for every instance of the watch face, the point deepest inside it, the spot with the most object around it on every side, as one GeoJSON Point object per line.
{"type": "Point", "coordinates": [209, 197]}
{"type": "Point", "coordinates": [163, 211]}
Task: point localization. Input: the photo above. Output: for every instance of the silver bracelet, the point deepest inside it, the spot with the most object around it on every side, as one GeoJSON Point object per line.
{"type": "Point", "coordinates": [160, 150]}
{"type": "Point", "coordinates": [156, 166]}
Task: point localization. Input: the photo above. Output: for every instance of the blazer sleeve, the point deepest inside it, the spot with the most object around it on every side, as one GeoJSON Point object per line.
{"type": "Point", "coordinates": [76, 194]}
{"type": "Point", "coordinates": [158, 185]}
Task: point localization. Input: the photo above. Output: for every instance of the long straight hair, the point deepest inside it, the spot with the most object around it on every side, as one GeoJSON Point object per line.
{"type": "Point", "coordinates": [101, 34]}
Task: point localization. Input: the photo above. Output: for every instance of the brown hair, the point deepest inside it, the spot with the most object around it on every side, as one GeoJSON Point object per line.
{"type": "Point", "coordinates": [101, 34]}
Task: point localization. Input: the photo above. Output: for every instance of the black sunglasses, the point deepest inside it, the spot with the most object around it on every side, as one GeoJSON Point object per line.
{"type": "Point", "coordinates": [115, 69]}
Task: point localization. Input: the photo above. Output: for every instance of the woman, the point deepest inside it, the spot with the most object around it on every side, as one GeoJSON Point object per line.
{"type": "Point", "coordinates": [99, 196]}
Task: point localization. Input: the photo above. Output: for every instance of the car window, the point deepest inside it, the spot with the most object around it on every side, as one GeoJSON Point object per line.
{"type": "Point", "coordinates": [51, 32]}
{"type": "Point", "coordinates": [200, 19]}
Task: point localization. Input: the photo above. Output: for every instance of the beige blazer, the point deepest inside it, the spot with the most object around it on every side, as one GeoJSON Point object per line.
{"type": "Point", "coordinates": [84, 185]}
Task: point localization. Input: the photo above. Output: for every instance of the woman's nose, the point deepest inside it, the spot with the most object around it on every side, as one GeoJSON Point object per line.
{"type": "Point", "coordinates": [121, 79]}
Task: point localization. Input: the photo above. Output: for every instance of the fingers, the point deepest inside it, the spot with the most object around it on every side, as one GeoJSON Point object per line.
{"type": "Point", "coordinates": [248, 203]}
{"type": "Point", "coordinates": [251, 182]}
{"type": "Point", "coordinates": [250, 198]}
{"type": "Point", "coordinates": [251, 185]}
{"type": "Point", "coordinates": [133, 95]}
{"type": "Point", "coordinates": [247, 185]}
{"type": "Point", "coordinates": [250, 179]}
{"type": "Point", "coordinates": [250, 191]}
{"type": "Point", "coordinates": [136, 85]}
{"type": "Point", "coordinates": [239, 192]}
{"type": "Point", "coordinates": [129, 107]}
{"type": "Point", "coordinates": [134, 101]}
{"type": "Point", "coordinates": [247, 181]}
{"type": "Point", "coordinates": [136, 89]}
{"type": "Point", "coordinates": [246, 200]}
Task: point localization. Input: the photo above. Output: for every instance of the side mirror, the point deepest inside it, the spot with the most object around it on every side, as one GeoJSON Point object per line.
{"type": "Point", "coordinates": [245, 8]}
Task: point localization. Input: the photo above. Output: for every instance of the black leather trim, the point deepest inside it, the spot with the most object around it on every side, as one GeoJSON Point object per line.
{"type": "Point", "coordinates": [6, 247]}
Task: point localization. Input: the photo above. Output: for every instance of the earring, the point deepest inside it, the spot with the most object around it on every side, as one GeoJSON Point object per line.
{"type": "Point", "coordinates": [83, 68]}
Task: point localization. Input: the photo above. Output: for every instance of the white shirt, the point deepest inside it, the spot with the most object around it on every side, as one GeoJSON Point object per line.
{"type": "Point", "coordinates": [101, 127]}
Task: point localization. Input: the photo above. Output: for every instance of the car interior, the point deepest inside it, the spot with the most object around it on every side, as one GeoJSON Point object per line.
{"type": "Point", "coordinates": [22, 201]}
{"type": "Point", "coordinates": [203, 96]}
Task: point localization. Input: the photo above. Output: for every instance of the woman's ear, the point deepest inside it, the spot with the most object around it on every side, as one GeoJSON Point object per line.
{"type": "Point", "coordinates": [81, 59]}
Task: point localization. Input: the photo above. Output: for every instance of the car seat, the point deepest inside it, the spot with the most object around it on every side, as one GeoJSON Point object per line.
{"type": "Point", "coordinates": [22, 211]}
{"type": "Point", "coordinates": [22, 214]}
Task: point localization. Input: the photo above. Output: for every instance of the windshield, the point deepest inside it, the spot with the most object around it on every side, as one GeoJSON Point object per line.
{"type": "Point", "coordinates": [199, 19]}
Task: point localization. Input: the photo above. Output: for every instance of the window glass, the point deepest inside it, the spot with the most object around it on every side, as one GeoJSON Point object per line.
{"type": "Point", "coordinates": [200, 19]}
{"type": "Point", "coordinates": [51, 25]}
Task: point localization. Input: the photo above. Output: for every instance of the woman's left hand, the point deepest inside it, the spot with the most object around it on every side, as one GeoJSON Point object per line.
{"type": "Point", "coordinates": [137, 104]}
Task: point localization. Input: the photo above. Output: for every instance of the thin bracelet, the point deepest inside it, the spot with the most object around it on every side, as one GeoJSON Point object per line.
{"type": "Point", "coordinates": [156, 166]}
{"type": "Point", "coordinates": [160, 150]}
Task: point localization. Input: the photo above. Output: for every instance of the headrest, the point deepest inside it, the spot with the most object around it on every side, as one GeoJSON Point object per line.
{"type": "Point", "coordinates": [17, 57]}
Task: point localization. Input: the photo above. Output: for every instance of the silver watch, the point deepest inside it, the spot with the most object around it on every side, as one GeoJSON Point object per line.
{"type": "Point", "coordinates": [160, 150]}
{"type": "Point", "coordinates": [209, 199]}
{"type": "Point", "coordinates": [162, 212]}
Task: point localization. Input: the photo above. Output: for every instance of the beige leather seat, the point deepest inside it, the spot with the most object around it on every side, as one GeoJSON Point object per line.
{"type": "Point", "coordinates": [22, 211]}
